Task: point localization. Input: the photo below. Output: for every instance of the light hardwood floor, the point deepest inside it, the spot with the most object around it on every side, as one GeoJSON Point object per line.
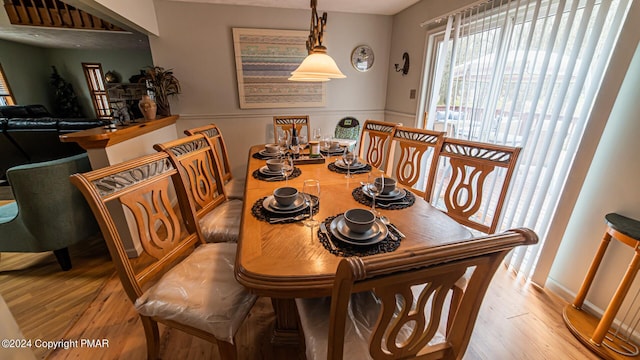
{"type": "Point", "coordinates": [516, 321]}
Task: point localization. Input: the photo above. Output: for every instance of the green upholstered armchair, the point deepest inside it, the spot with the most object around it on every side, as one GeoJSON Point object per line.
{"type": "Point", "coordinates": [49, 212]}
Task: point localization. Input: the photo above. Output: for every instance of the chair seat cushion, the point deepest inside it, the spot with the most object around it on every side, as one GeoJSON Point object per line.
{"type": "Point", "coordinates": [362, 315]}
{"type": "Point", "coordinates": [222, 224]}
{"type": "Point", "coordinates": [202, 292]}
{"type": "Point", "coordinates": [8, 212]}
{"type": "Point", "coordinates": [235, 189]}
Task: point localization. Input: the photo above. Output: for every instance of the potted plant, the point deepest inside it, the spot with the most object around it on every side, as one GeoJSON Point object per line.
{"type": "Point", "coordinates": [163, 84]}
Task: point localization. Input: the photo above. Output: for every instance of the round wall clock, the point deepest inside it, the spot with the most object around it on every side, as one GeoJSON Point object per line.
{"type": "Point", "coordinates": [362, 58]}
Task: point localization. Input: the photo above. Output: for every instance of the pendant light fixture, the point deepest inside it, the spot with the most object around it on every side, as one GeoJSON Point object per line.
{"type": "Point", "coordinates": [317, 66]}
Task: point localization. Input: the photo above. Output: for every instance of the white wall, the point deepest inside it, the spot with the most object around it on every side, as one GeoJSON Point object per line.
{"type": "Point", "coordinates": [611, 185]}
{"type": "Point", "coordinates": [139, 15]}
{"type": "Point", "coordinates": [409, 36]}
{"type": "Point", "coordinates": [196, 41]}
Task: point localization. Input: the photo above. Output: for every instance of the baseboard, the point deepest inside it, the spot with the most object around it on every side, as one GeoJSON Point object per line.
{"type": "Point", "coordinates": [568, 296]}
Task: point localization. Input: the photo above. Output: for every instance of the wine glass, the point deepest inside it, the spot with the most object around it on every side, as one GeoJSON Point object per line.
{"type": "Point", "coordinates": [375, 189]}
{"type": "Point", "coordinates": [283, 143]}
{"type": "Point", "coordinates": [311, 188]}
{"type": "Point", "coordinates": [303, 140]}
{"type": "Point", "coordinates": [317, 134]}
{"type": "Point", "coordinates": [287, 168]}
{"type": "Point", "coordinates": [349, 158]}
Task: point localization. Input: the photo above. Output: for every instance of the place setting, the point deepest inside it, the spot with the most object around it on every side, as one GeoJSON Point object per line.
{"type": "Point", "coordinates": [288, 205]}
{"type": "Point", "coordinates": [358, 232]}
{"type": "Point", "coordinates": [270, 151]}
{"type": "Point", "coordinates": [277, 170]}
{"type": "Point", "coordinates": [383, 192]}
{"type": "Point", "coordinates": [349, 164]}
{"type": "Point", "coordinates": [331, 148]}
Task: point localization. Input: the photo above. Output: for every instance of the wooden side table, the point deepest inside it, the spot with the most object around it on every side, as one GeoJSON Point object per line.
{"type": "Point", "coordinates": [598, 334]}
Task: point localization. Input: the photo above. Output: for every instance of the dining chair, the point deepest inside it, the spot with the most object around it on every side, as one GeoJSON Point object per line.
{"type": "Point", "coordinates": [178, 280]}
{"type": "Point", "coordinates": [473, 180]}
{"type": "Point", "coordinates": [218, 217]}
{"type": "Point", "coordinates": [347, 128]}
{"type": "Point", "coordinates": [286, 123]}
{"type": "Point", "coordinates": [415, 149]}
{"type": "Point", "coordinates": [234, 187]}
{"type": "Point", "coordinates": [393, 305]}
{"type": "Point", "coordinates": [375, 140]}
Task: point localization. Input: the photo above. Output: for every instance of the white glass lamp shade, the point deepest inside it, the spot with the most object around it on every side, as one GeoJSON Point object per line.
{"type": "Point", "coordinates": [310, 78]}
{"type": "Point", "coordinates": [318, 65]}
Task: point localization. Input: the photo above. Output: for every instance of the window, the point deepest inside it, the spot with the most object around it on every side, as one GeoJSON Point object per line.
{"type": "Point", "coordinates": [6, 97]}
{"type": "Point", "coordinates": [93, 74]}
{"type": "Point", "coordinates": [523, 73]}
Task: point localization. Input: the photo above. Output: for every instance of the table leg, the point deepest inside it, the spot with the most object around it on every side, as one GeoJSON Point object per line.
{"type": "Point", "coordinates": [595, 264]}
{"type": "Point", "coordinates": [612, 310]}
{"type": "Point", "coordinates": [285, 331]}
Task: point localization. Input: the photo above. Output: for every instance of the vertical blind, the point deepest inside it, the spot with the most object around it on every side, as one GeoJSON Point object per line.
{"type": "Point", "coordinates": [524, 73]}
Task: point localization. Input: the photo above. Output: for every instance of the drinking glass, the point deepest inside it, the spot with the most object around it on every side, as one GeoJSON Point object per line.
{"type": "Point", "coordinates": [287, 168]}
{"type": "Point", "coordinates": [295, 145]}
{"type": "Point", "coordinates": [283, 143]}
{"type": "Point", "coordinates": [375, 189]}
{"type": "Point", "coordinates": [317, 134]}
{"type": "Point", "coordinates": [311, 188]}
{"type": "Point", "coordinates": [303, 141]}
{"type": "Point", "coordinates": [349, 158]}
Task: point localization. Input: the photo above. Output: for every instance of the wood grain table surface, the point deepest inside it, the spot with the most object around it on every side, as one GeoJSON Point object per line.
{"type": "Point", "coordinates": [288, 260]}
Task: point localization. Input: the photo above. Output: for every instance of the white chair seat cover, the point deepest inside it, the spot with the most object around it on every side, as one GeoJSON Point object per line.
{"type": "Point", "coordinates": [222, 224]}
{"type": "Point", "coordinates": [202, 292]}
{"type": "Point", "coordinates": [235, 189]}
{"type": "Point", "coordinates": [362, 315]}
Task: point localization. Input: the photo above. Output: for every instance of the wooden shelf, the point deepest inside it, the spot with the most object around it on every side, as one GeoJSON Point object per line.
{"type": "Point", "coordinates": [101, 137]}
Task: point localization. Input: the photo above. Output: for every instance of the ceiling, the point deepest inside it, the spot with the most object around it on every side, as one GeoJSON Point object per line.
{"type": "Point", "coordinates": [378, 7]}
{"type": "Point", "coordinates": [85, 39]}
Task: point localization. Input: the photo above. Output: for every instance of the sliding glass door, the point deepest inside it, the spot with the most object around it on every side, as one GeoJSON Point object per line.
{"type": "Point", "coordinates": [525, 74]}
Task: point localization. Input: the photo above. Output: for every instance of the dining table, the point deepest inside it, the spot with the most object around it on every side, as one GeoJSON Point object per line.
{"type": "Point", "coordinates": [288, 260]}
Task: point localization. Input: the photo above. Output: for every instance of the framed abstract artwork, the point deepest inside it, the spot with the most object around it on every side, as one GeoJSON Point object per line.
{"type": "Point", "coordinates": [265, 59]}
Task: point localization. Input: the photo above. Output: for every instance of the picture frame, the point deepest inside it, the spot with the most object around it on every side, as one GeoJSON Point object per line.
{"type": "Point", "coordinates": [264, 61]}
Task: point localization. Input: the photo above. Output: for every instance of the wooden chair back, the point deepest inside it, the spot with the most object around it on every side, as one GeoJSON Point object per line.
{"type": "Point", "coordinates": [216, 141]}
{"type": "Point", "coordinates": [412, 287]}
{"type": "Point", "coordinates": [199, 164]}
{"type": "Point", "coordinates": [476, 178]}
{"type": "Point", "coordinates": [375, 142]}
{"type": "Point", "coordinates": [415, 149]}
{"type": "Point", "coordinates": [143, 187]}
{"type": "Point", "coordinates": [286, 124]}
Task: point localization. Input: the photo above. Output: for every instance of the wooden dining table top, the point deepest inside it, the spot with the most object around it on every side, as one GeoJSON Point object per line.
{"type": "Point", "coordinates": [288, 260]}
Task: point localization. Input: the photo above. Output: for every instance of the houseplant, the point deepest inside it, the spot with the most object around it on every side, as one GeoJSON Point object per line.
{"type": "Point", "coordinates": [163, 84]}
{"type": "Point", "coordinates": [65, 102]}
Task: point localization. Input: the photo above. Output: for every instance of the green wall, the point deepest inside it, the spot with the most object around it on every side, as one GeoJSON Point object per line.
{"type": "Point", "coordinates": [28, 69]}
{"type": "Point", "coordinates": [126, 62]}
{"type": "Point", "coordinates": [27, 72]}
